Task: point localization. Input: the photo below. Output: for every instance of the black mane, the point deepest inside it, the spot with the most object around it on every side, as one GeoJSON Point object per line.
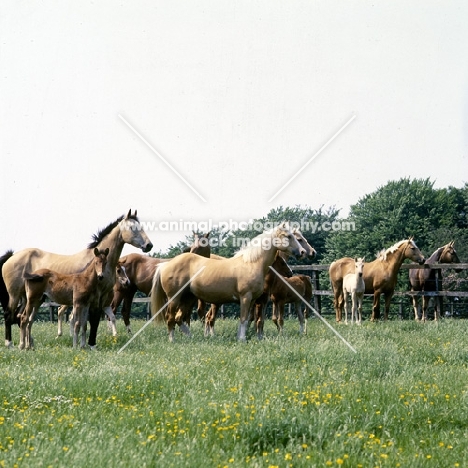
{"type": "Point", "coordinates": [102, 233]}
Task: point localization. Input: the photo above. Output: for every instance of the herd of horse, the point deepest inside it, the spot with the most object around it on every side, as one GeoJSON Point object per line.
{"type": "Point", "coordinates": [97, 280]}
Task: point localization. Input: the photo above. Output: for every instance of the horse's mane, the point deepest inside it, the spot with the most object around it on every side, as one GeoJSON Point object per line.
{"type": "Point", "coordinates": [253, 250]}
{"type": "Point", "coordinates": [102, 233]}
{"type": "Point", "coordinates": [382, 255]}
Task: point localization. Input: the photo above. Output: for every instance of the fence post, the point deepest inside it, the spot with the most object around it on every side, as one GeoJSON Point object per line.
{"type": "Point", "coordinates": [316, 287]}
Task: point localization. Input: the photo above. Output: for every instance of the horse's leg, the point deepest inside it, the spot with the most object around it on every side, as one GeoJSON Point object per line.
{"type": "Point", "coordinates": [77, 318]}
{"type": "Point", "coordinates": [94, 319]}
{"type": "Point", "coordinates": [300, 317]}
{"type": "Point", "coordinates": [280, 312]}
{"type": "Point", "coordinates": [201, 309]}
{"type": "Point", "coordinates": [170, 320]}
{"type": "Point", "coordinates": [274, 314]}
{"type": "Point", "coordinates": [245, 304]}
{"type": "Point", "coordinates": [111, 316]}
{"type": "Point", "coordinates": [376, 307]}
{"type": "Point", "coordinates": [210, 319]}
{"type": "Point", "coordinates": [60, 312]}
{"type": "Point", "coordinates": [415, 302]}
{"type": "Point", "coordinates": [84, 326]}
{"type": "Point", "coordinates": [338, 301]}
{"type": "Point", "coordinates": [12, 316]}
{"type": "Point", "coordinates": [345, 304]}
{"type": "Point", "coordinates": [388, 300]}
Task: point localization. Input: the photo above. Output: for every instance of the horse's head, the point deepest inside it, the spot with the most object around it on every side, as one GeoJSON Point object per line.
{"type": "Point", "coordinates": [201, 245]}
{"type": "Point", "coordinates": [280, 266]}
{"type": "Point", "coordinates": [359, 266]}
{"type": "Point", "coordinates": [288, 242]}
{"type": "Point", "coordinates": [100, 262]}
{"type": "Point", "coordinates": [310, 252]}
{"type": "Point", "coordinates": [412, 252]}
{"type": "Point", "coordinates": [121, 274]}
{"type": "Point", "coordinates": [133, 233]}
{"type": "Point", "coordinates": [449, 255]}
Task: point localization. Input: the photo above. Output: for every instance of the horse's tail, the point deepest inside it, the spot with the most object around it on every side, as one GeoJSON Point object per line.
{"type": "Point", "coordinates": [4, 296]}
{"type": "Point", "coordinates": [158, 296]}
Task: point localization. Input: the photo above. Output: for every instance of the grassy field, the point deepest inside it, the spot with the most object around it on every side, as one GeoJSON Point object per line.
{"type": "Point", "coordinates": [402, 400]}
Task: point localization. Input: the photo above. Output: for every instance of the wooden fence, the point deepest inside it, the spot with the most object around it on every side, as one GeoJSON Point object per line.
{"type": "Point", "coordinates": [314, 272]}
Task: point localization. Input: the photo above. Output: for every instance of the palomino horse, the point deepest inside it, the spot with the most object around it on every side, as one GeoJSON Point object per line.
{"type": "Point", "coordinates": [258, 312]}
{"type": "Point", "coordinates": [140, 270]}
{"type": "Point", "coordinates": [310, 253]}
{"type": "Point", "coordinates": [238, 279]}
{"type": "Point", "coordinates": [425, 279]}
{"type": "Point", "coordinates": [353, 285]}
{"type": "Point", "coordinates": [121, 279]}
{"type": "Point", "coordinates": [380, 276]}
{"type": "Point", "coordinates": [79, 290]}
{"type": "Point", "coordinates": [282, 294]}
{"type": "Point", "coordinates": [126, 229]}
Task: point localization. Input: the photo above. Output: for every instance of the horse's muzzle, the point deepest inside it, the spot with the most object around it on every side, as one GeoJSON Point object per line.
{"type": "Point", "coordinates": [421, 262]}
{"type": "Point", "coordinates": [147, 248]}
{"type": "Point", "coordinates": [100, 277]}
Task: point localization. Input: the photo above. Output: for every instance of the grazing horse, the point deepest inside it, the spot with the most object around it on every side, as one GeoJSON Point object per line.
{"type": "Point", "coordinates": [380, 275]}
{"type": "Point", "coordinates": [140, 270]}
{"type": "Point", "coordinates": [238, 279]}
{"type": "Point", "coordinates": [122, 279]}
{"type": "Point", "coordinates": [79, 290]}
{"type": "Point", "coordinates": [126, 229]}
{"type": "Point", "coordinates": [282, 294]}
{"type": "Point", "coordinates": [425, 279]}
{"type": "Point", "coordinates": [353, 285]}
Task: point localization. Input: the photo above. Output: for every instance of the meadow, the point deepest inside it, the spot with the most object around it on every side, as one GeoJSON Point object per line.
{"type": "Point", "coordinates": [290, 401]}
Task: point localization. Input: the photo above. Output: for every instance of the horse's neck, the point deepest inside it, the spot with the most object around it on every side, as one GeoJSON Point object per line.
{"type": "Point", "coordinates": [435, 257]}
{"type": "Point", "coordinates": [396, 259]}
{"type": "Point", "coordinates": [115, 244]}
{"type": "Point", "coordinates": [267, 259]}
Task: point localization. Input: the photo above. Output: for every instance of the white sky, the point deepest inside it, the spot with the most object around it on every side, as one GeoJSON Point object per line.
{"type": "Point", "coordinates": [236, 95]}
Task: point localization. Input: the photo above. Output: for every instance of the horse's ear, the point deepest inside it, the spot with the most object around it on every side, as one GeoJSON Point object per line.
{"type": "Point", "coordinates": [106, 252]}
{"type": "Point", "coordinates": [411, 238]}
{"type": "Point", "coordinates": [451, 243]}
{"type": "Point", "coordinates": [96, 251]}
{"type": "Point", "coordinates": [135, 214]}
{"type": "Point", "coordinates": [207, 235]}
{"type": "Point", "coordinates": [129, 213]}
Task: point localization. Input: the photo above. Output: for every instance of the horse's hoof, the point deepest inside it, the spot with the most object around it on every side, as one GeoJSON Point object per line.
{"type": "Point", "coordinates": [93, 347]}
{"type": "Point", "coordinates": [9, 344]}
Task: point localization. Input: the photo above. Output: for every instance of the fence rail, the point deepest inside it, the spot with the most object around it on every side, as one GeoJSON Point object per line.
{"type": "Point", "coordinates": [318, 293]}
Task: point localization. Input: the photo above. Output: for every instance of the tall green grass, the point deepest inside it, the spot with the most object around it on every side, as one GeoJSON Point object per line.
{"type": "Point", "coordinates": [212, 402]}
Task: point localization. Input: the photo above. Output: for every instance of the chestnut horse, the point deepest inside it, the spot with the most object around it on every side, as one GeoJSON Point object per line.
{"type": "Point", "coordinates": [353, 285]}
{"type": "Point", "coordinates": [126, 229]}
{"type": "Point", "coordinates": [140, 270]}
{"type": "Point", "coordinates": [380, 275]}
{"type": "Point", "coordinates": [425, 279]}
{"type": "Point", "coordinates": [178, 283]}
{"type": "Point", "coordinates": [79, 290]}
{"type": "Point", "coordinates": [282, 294]}
{"type": "Point", "coordinates": [121, 278]}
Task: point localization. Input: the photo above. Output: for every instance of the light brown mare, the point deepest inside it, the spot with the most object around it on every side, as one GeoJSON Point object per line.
{"type": "Point", "coordinates": [257, 313]}
{"type": "Point", "coordinates": [178, 283]}
{"type": "Point", "coordinates": [121, 278]}
{"type": "Point", "coordinates": [280, 266]}
{"type": "Point", "coordinates": [282, 294]}
{"type": "Point", "coordinates": [425, 280]}
{"type": "Point", "coordinates": [380, 275]}
{"type": "Point", "coordinates": [140, 270]}
{"type": "Point", "coordinates": [79, 290]}
{"type": "Point", "coordinates": [126, 229]}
